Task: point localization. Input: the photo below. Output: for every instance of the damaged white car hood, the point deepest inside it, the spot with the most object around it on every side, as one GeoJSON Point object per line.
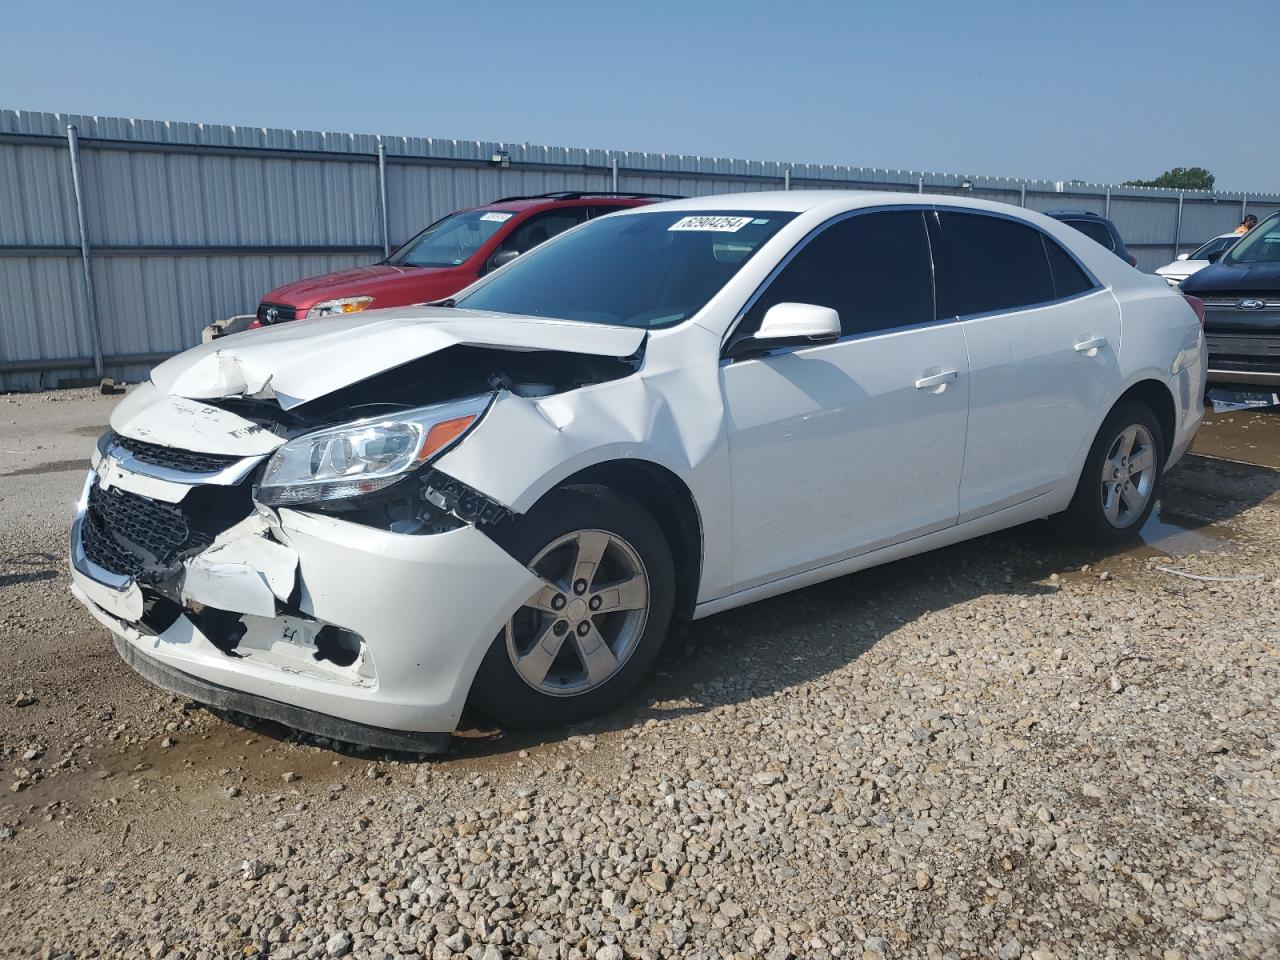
{"type": "Point", "coordinates": [299, 361]}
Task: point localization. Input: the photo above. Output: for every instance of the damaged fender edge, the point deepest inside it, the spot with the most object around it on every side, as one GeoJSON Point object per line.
{"type": "Point", "coordinates": [427, 624]}
{"type": "Point", "coordinates": [563, 441]}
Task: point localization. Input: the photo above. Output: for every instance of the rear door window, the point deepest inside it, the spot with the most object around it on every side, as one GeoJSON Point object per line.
{"type": "Point", "coordinates": [873, 269]}
{"type": "Point", "coordinates": [987, 264]}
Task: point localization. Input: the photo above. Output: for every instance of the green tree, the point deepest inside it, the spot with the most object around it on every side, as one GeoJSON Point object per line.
{"type": "Point", "coordinates": [1179, 178]}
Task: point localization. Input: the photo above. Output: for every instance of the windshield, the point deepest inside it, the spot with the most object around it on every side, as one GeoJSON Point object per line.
{"type": "Point", "coordinates": [635, 270]}
{"type": "Point", "coordinates": [451, 241]}
{"type": "Point", "coordinates": [1216, 245]}
{"type": "Point", "coordinates": [1259, 245]}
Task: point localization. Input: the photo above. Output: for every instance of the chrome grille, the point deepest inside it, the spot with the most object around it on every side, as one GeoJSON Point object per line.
{"type": "Point", "coordinates": [187, 461]}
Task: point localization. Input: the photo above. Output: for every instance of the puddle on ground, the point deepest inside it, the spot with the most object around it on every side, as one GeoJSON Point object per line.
{"type": "Point", "coordinates": [1164, 534]}
{"type": "Point", "coordinates": [1241, 426]}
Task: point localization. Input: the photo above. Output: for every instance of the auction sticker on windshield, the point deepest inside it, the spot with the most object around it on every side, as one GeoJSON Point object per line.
{"type": "Point", "coordinates": [716, 224]}
{"type": "Point", "coordinates": [497, 217]}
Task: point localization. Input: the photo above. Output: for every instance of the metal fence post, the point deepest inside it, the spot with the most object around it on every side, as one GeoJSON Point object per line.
{"type": "Point", "coordinates": [1106, 209]}
{"type": "Point", "coordinates": [1177, 229]}
{"type": "Point", "coordinates": [613, 173]}
{"type": "Point", "coordinates": [786, 179]}
{"type": "Point", "coordinates": [77, 183]}
{"type": "Point", "coordinates": [1022, 202]}
{"type": "Point", "coordinates": [382, 197]}
{"type": "Point", "coordinates": [1244, 207]}
{"type": "Point", "coordinates": [920, 185]}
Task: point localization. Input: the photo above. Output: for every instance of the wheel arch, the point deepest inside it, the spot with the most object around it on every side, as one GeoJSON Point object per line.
{"type": "Point", "coordinates": [1156, 395]}
{"type": "Point", "coordinates": [670, 502]}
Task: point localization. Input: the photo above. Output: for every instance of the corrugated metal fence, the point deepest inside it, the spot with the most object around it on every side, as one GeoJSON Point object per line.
{"type": "Point", "coordinates": [188, 223]}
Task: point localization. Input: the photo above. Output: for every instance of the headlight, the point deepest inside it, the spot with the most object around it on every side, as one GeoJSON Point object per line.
{"type": "Point", "coordinates": [365, 456]}
{"type": "Point", "coordinates": [334, 308]}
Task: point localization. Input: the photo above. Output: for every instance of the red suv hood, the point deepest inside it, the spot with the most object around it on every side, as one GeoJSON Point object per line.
{"type": "Point", "coordinates": [389, 286]}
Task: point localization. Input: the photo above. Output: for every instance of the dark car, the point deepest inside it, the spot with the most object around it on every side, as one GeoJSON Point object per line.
{"type": "Point", "coordinates": [1096, 227]}
{"type": "Point", "coordinates": [1241, 294]}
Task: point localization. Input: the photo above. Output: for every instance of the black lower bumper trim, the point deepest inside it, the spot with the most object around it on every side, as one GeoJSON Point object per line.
{"type": "Point", "coordinates": [311, 721]}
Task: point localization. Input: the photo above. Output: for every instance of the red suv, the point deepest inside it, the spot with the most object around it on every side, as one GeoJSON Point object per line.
{"type": "Point", "coordinates": [442, 259]}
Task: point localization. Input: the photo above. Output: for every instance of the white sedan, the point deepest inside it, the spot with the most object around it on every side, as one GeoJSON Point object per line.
{"type": "Point", "coordinates": [1188, 263]}
{"type": "Point", "coordinates": [359, 526]}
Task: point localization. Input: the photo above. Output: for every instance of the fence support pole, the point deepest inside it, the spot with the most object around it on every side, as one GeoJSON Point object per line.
{"type": "Point", "coordinates": [1106, 210]}
{"type": "Point", "coordinates": [77, 183]}
{"type": "Point", "coordinates": [613, 173]}
{"type": "Point", "coordinates": [786, 179]}
{"type": "Point", "coordinates": [1022, 202]}
{"type": "Point", "coordinates": [382, 197]}
{"type": "Point", "coordinates": [920, 185]}
{"type": "Point", "coordinates": [1244, 207]}
{"type": "Point", "coordinates": [1177, 229]}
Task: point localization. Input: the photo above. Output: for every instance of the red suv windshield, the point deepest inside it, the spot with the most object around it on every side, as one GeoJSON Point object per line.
{"type": "Point", "coordinates": [451, 241]}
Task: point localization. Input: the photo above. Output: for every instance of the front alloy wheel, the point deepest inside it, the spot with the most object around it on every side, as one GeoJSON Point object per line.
{"type": "Point", "coordinates": [594, 624]}
{"type": "Point", "coordinates": [582, 625]}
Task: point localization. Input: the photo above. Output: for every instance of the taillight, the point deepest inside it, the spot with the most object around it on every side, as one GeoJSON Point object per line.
{"type": "Point", "coordinates": [1197, 305]}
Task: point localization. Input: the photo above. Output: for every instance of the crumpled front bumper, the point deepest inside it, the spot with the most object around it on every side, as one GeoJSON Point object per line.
{"type": "Point", "coordinates": [426, 608]}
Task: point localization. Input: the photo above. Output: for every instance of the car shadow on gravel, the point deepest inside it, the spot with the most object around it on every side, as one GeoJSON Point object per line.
{"type": "Point", "coordinates": [785, 641]}
{"type": "Point", "coordinates": [31, 567]}
{"type": "Point", "coordinates": [759, 649]}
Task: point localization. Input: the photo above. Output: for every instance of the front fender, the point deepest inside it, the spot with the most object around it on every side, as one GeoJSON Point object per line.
{"type": "Point", "coordinates": [523, 448]}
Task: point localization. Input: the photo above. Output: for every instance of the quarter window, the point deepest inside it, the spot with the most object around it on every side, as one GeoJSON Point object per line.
{"type": "Point", "coordinates": [873, 269]}
{"type": "Point", "coordinates": [1068, 278]}
{"type": "Point", "coordinates": [987, 264]}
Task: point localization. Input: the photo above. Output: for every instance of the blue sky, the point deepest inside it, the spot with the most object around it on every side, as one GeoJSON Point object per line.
{"type": "Point", "coordinates": [1101, 91]}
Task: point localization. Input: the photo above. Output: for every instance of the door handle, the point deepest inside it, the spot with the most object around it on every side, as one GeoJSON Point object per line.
{"type": "Point", "coordinates": [936, 380]}
{"type": "Point", "coordinates": [1089, 344]}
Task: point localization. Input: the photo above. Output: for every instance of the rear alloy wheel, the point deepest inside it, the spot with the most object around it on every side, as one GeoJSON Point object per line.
{"type": "Point", "coordinates": [1121, 478]}
{"type": "Point", "coordinates": [1128, 476]}
{"type": "Point", "coordinates": [591, 629]}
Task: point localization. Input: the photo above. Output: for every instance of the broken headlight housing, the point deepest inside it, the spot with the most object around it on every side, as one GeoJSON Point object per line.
{"type": "Point", "coordinates": [365, 456]}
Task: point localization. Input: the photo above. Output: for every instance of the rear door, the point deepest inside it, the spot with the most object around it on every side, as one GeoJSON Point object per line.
{"type": "Point", "coordinates": [1042, 336]}
{"type": "Point", "coordinates": [839, 448]}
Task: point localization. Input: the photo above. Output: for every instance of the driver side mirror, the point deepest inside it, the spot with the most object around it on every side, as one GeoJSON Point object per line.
{"type": "Point", "coordinates": [787, 324]}
{"type": "Point", "coordinates": [500, 259]}
{"type": "Point", "coordinates": [1183, 256]}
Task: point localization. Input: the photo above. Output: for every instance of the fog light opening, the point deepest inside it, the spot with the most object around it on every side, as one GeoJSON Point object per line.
{"type": "Point", "coordinates": [338, 646]}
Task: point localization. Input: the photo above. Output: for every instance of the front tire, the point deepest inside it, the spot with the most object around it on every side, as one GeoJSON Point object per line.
{"type": "Point", "coordinates": [1121, 478]}
{"type": "Point", "coordinates": [589, 634]}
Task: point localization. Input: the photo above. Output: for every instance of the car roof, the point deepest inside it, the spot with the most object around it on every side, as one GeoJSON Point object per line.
{"type": "Point", "coordinates": [827, 201]}
{"type": "Point", "coordinates": [574, 198]}
{"type": "Point", "coordinates": [1057, 214]}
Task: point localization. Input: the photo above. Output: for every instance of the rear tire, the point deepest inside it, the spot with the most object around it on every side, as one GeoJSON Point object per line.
{"type": "Point", "coordinates": [1121, 478]}
{"type": "Point", "coordinates": [589, 635]}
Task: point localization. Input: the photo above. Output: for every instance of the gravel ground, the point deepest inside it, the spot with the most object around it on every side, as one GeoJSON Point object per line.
{"type": "Point", "coordinates": [1009, 748]}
